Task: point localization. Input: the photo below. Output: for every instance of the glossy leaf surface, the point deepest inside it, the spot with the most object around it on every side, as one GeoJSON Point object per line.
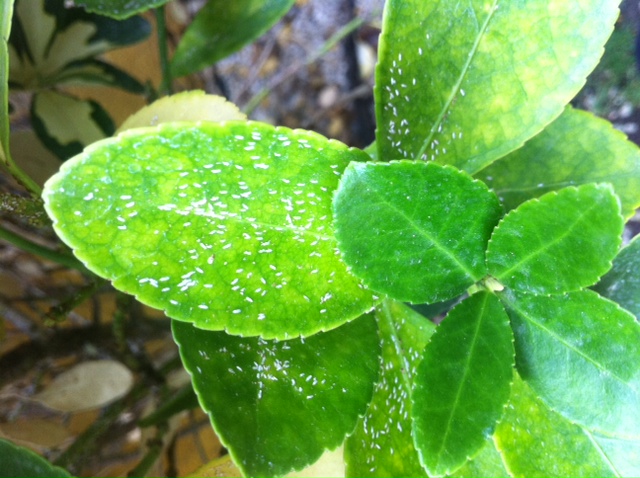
{"type": "Point", "coordinates": [559, 243]}
{"type": "Point", "coordinates": [622, 283]}
{"type": "Point", "coordinates": [577, 148]}
{"type": "Point", "coordinates": [382, 444]}
{"type": "Point", "coordinates": [473, 80]}
{"type": "Point", "coordinates": [413, 230]}
{"type": "Point", "coordinates": [581, 354]}
{"type": "Point", "coordinates": [221, 28]}
{"type": "Point", "coordinates": [462, 383]}
{"type": "Point", "coordinates": [278, 406]}
{"type": "Point", "coordinates": [226, 226]}
{"type": "Point", "coordinates": [622, 455]}
{"type": "Point", "coordinates": [536, 441]}
{"type": "Point", "coordinates": [20, 461]}
{"type": "Point", "coordinates": [119, 9]}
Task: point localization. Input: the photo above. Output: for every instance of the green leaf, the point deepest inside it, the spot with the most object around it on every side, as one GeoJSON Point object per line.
{"type": "Point", "coordinates": [194, 105]}
{"type": "Point", "coordinates": [487, 463]}
{"type": "Point", "coordinates": [559, 243]}
{"type": "Point", "coordinates": [413, 230]}
{"type": "Point", "coordinates": [462, 383]}
{"type": "Point", "coordinates": [19, 461]}
{"type": "Point", "coordinates": [382, 444]}
{"type": "Point", "coordinates": [6, 11]}
{"type": "Point", "coordinates": [93, 72]}
{"type": "Point", "coordinates": [119, 9]}
{"type": "Point", "coordinates": [623, 455]}
{"type": "Point", "coordinates": [221, 28]}
{"type": "Point", "coordinates": [536, 441]}
{"type": "Point", "coordinates": [472, 80]}
{"type": "Point", "coordinates": [226, 226]}
{"type": "Point", "coordinates": [622, 283]}
{"type": "Point", "coordinates": [48, 37]}
{"type": "Point", "coordinates": [278, 406]}
{"type": "Point", "coordinates": [66, 124]}
{"type": "Point", "coordinates": [581, 354]}
{"type": "Point", "coordinates": [595, 153]}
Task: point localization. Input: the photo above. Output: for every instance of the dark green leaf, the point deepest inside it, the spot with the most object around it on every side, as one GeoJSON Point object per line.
{"type": "Point", "coordinates": [413, 230]}
{"type": "Point", "coordinates": [18, 461]}
{"type": "Point", "coordinates": [382, 444]}
{"type": "Point", "coordinates": [622, 283]}
{"type": "Point", "coordinates": [462, 383]}
{"type": "Point", "coordinates": [559, 243]}
{"type": "Point", "coordinates": [577, 148]}
{"type": "Point", "coordinates": [581, 354]}
{"type": "Point", "coordinates": [472, 80]}
{"type": "Point", "coordinates": [221, 28]}
{"type": "Point", "coordinates": [119, 9]}
{"type": "Point", "coordinates": [278, 406]}
{"type": "Point", "coordinates": [66, 124]}
{"type": "Point", "coordinates": [226, 226]}
{"type": "Point", "coordinates": [536, 441]}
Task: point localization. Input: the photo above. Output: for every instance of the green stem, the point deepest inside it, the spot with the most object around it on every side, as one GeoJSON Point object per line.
{"type": "Point", "coordinates": [60, 311]}
{"type": "Point", "coordinates": [156, 446]}
{"type": "Point", "coordinates": [336, 38]}
{"type": "Point", "coordinates": [165, 86]}
{"type": "Point", "coordinates": [32, 247]}
{"type": "Point", "coordinates": [23, 178]}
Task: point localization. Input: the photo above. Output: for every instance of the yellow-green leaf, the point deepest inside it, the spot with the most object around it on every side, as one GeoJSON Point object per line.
{"type": "Point", "coordinates": [472, 80]}
{"type": "Point", "coordinates": [228, 226]}
{"type": "Point", "coordinates": [193, 105]}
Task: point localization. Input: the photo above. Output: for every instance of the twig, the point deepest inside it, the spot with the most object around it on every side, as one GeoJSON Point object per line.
{"type": "Point", "coordinates": [32, 247]}
{"type": "Point", "coordinates": [336, 38]}
{"type": "Point", "coordinates": [59, 312]}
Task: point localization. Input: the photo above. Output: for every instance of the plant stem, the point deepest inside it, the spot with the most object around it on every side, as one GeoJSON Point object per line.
{"type": "Point", "coordinates": [19, 175]}
{"type": "Point", "coordinates": [161, 27]}
{"type": "Point", "coordinates": [156, 446]}
{"type": "Point", "coordinates": [336, 38]}
{"type": "Point", "coordinates": [32, 247]}
{"type": "Point", "coordinates": [60, 311]}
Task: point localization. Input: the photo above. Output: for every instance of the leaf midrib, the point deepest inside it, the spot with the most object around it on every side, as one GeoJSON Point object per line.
{"type": "Point", "coordinates": [562, 341]}
{"type": "Point", "coordinates": [456, 88]}
{"type": "Point", "coordinates": [448, 253]}
{"type": "Point", "coordinates": [601, 452]}
{"type": "Point", "coordinates": [462, 382]}
{"type": "Point", "coordinates": [544, 248]}
{"type": "Point", "coordinates": [277, 228]}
